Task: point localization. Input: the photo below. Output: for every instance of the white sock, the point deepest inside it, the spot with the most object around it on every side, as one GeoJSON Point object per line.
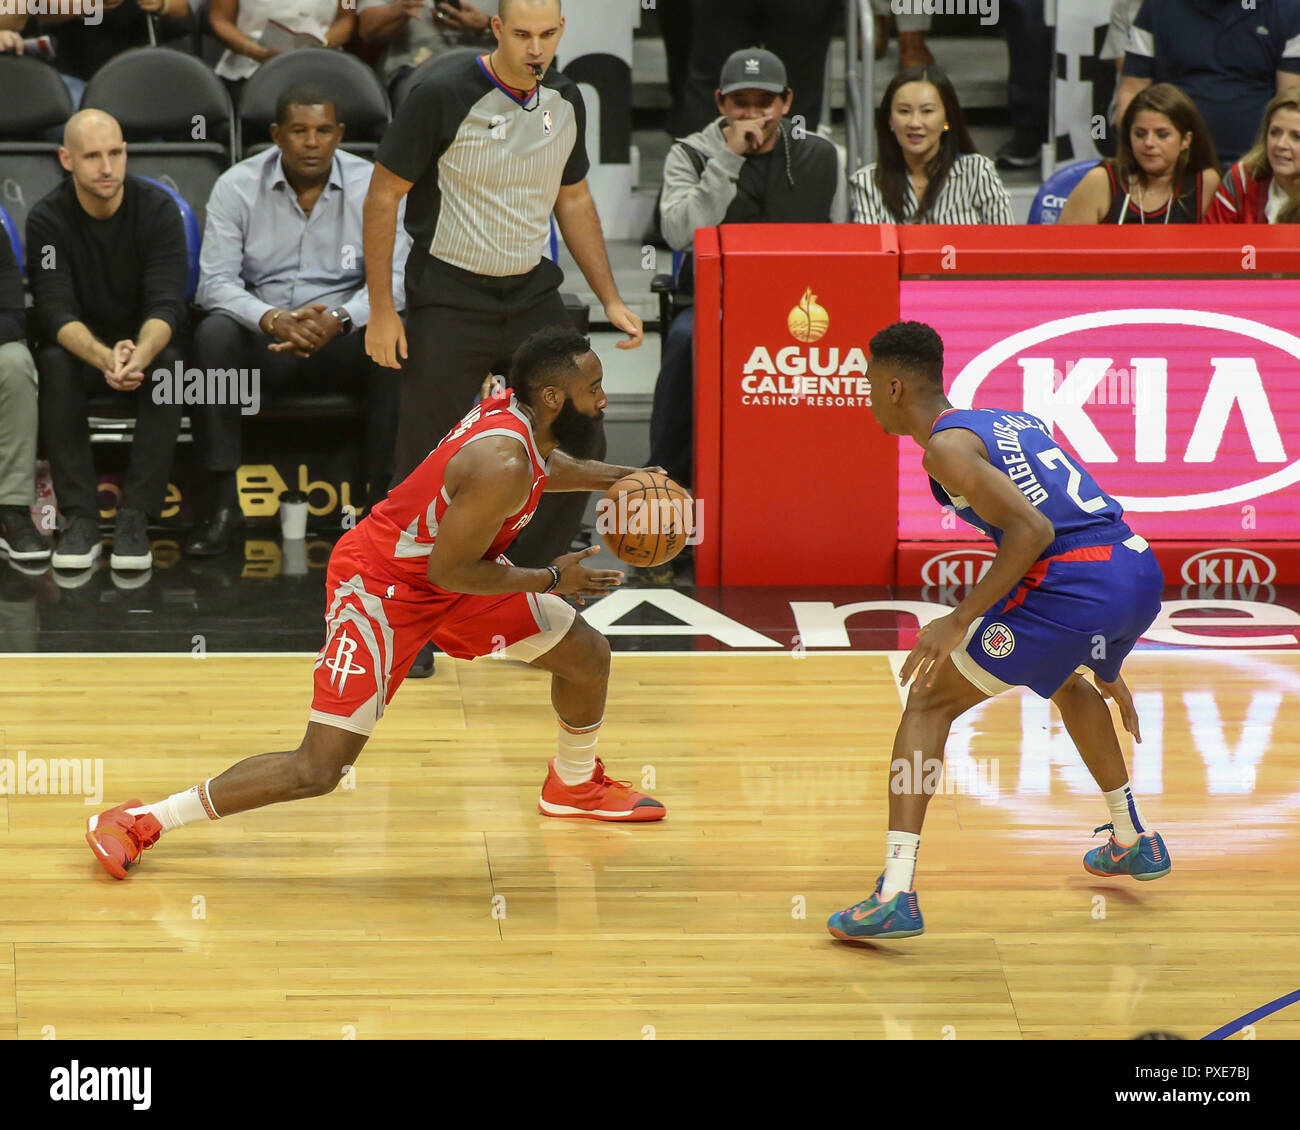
{"type": "Point", "coordinates": [180, 809]}
{"type": "Point", "coordinates": [575, 759]}
{"type": "Point", "coordinates": [1125, 814]}
{"type": "Point", "coordinates": [900, 862]}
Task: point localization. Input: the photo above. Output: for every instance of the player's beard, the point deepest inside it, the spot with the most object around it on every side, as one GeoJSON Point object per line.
{"type": "Point", "coordinates": [577, 433]}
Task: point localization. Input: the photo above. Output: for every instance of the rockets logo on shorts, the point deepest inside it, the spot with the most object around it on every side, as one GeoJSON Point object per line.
{"type": "Point", "coordinates": [998, 641]}
{"type": "Point", "coordinates": [341, 664]}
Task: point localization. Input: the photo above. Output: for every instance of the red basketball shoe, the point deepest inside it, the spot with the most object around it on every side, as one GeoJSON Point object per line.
{"type": "Point", "coordinates": [118, 838]}
{"type": "Point", "coordinates": [601, 798]}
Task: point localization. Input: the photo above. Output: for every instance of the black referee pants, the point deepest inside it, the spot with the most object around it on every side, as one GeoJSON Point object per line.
{"type": "Point", "coordinates": [459, 328]}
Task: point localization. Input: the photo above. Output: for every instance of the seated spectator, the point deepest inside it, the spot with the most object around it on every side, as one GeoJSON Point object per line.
{"type": "Point", "coordinates": [240, 24]}
{"type": "Point", "coordinates": [927, 170]}
{"type": "Point", "coordinates": [18, 536]}
{"type": "Point", "coordinates": [412, 31]}
{"type": "Point", "coordinates": [1165, 170]}
{"type": "Point", "coordinates": [81, 48]}
{"type": "Point", "coordinates": [801, 30]}
{"type": "Point", "coordinates": [912, 51]}
{"type": "Point", "coordinates": [283, 277]}
{"type": "Point", "coordinates": [107, 263]}
{"type": "Point", "coordinates": [1229, 58]}
{"type": "Point", "coordinates": [742, 169]}
{"type": "Point", "coordinates": [1264, 186]}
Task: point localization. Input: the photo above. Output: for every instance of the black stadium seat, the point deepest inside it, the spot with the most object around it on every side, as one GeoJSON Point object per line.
{"type": "Point", "coordinates": [162, 95]}
{"type": "Point", "coordinates": [27, 172]}
{"type": "Point", "coordinates": [360, 99]}
{"type": "Point", "coordinates": [34, 100]}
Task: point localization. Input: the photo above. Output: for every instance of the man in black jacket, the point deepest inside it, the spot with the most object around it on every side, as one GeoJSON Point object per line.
{"type": "Point", "coordinates": [18, 536]}
{"type": "Point", "coordinates": [107, 264]}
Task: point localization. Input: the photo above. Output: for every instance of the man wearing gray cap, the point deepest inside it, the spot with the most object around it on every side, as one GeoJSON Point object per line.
{"type": "Point", "coordinates": [748, 166]}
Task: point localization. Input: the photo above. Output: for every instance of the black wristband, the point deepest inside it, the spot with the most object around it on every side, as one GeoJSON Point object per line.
{"type": "Point", "coordinates": [555, 579]}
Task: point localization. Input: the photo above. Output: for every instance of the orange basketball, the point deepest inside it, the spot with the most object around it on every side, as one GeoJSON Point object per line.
{"type": "Point", "coordinates": [645, 519]}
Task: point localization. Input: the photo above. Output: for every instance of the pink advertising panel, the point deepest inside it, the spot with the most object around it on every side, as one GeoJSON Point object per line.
{"type": "Point", "coordinates": [1182, 397]}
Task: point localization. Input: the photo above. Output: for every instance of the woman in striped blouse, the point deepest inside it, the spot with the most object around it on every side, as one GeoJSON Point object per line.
{"type": "Point", "coordinates": [928, 171]}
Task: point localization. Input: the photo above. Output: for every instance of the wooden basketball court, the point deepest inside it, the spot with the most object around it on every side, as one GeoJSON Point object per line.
{"type": "Point", "coordinates": [429, 898]}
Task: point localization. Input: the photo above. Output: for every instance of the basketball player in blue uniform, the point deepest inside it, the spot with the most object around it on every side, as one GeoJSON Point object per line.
{"type": "Point", "coordinates": [1071, 587]}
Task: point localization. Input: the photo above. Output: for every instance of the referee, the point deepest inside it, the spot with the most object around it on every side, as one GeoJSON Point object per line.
{"type": "Point", "coordinates": [487, 153]}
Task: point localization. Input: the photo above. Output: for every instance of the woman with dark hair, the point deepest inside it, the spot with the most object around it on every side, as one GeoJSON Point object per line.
{"type": "Point", "coordinates": [927, 171]}
{"type": "Point", "coordinates": [1165, 169]}
{"type": "Point", "coordinates": [1264, 186]}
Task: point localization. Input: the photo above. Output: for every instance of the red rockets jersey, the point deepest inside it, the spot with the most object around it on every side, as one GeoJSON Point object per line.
{"type": "Point", "coordinates": [400, 530]}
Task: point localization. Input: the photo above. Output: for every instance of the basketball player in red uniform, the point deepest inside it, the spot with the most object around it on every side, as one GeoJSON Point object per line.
{"type": "Point", "coordinates": [427, 563]}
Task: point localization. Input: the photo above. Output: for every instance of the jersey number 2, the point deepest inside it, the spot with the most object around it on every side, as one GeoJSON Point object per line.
{"type": "Point", "coordinates": [1054, 457]}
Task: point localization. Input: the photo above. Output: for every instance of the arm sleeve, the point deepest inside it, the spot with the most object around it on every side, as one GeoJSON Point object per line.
{"type": "Point", "coordinates": [991, 198]}
{"type": "Point", "coordinates": [696, 200]}
{"type": "Point", "coordinates": [53, 292]}
{"type": "Point", "coordinates": [1226, 207]}
{"type": "Point", "coordinates": [1290, 61]}
{"type": "Point", "coordinates": [13, 311]}
{"type": "Point", "coordinates": [166, 265]}
{"type": "Point", "coordinates": [418, 133]}
{"type": "Point", "coordinates": [865, 201]}
{"type": "Point", "coordinates": [579, 163]}
{"type": "Point", "coordinates": [1140, 55]}
{"type": "Point", "coordinates": [221, 285]}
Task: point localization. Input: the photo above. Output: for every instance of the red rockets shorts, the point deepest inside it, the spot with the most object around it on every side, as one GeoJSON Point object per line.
{"type": "Point", "coordinates": [375, 627]}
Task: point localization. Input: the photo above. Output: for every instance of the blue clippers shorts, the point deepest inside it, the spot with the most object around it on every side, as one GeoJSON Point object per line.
{"type": "Point", "coordinates": [1084, 608]}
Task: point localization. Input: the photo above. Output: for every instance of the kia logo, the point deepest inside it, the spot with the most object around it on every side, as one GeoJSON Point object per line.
{"type": "Point", "coordinates": [957, 567]}
{"type": "Point", "coordinates": [1234, 402]}
{"type": "Point", "coordinates": [1228, 566]}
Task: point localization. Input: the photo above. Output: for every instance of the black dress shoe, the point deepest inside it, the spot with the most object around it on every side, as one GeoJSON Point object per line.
{"type": "Point", "coordinates": [213, 537]}
{"type": "Point", "coordinates": [422, 668]}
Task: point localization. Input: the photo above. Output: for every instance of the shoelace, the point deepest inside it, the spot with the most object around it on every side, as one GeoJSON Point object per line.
{"type": "Point", "coordinates": [1103, 828]}
{"type": "Point", "coordinates": [602, 778]}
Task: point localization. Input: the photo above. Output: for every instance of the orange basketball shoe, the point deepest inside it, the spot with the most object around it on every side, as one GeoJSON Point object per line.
{"type": "Point", "coordinates": [118, 838]}
{"type": "Point", "coordinates": [601, 798]}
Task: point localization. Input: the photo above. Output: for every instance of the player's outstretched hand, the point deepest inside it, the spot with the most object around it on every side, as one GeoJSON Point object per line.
{"type": "Point", "coordinates": [579, 581]}
{"type": "Point", "coordinates": [934, 643]}
{"type": "Point", "coordinates": [1118, 690]}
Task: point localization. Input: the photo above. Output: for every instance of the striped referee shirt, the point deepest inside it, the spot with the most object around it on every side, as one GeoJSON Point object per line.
{"type": "Point", "coordinates": [972, 194]}
{"type": "Point", "coordinates": [486, 165]}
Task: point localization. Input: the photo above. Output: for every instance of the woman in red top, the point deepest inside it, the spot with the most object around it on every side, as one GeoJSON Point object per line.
{"type": "Point", "coordinates": [1165, 170]}
{"type": "Point", "coordinates": [1264, 186]}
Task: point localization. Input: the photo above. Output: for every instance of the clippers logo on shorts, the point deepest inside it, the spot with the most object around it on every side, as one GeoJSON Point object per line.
{"type": "Point", "coordinates": [548, 123]}
{"type": "Point", "coordinates": [341, 664]}
{"type": "Point", "coordinates": [998, 641]}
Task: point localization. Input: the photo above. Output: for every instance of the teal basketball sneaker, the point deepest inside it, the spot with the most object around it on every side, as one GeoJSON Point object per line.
{"type": "Point", "coordinates": [1145, 859]}
{"type": "Point", "coordinates": [898, 917]}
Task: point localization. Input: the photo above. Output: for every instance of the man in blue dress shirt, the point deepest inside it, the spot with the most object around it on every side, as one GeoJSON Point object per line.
{"type": "Point", "coordinates": [283, 278]}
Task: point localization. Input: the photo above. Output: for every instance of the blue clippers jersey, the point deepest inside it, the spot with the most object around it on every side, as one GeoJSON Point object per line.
{"type": "Point", "coordinates": [1020, 446]}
